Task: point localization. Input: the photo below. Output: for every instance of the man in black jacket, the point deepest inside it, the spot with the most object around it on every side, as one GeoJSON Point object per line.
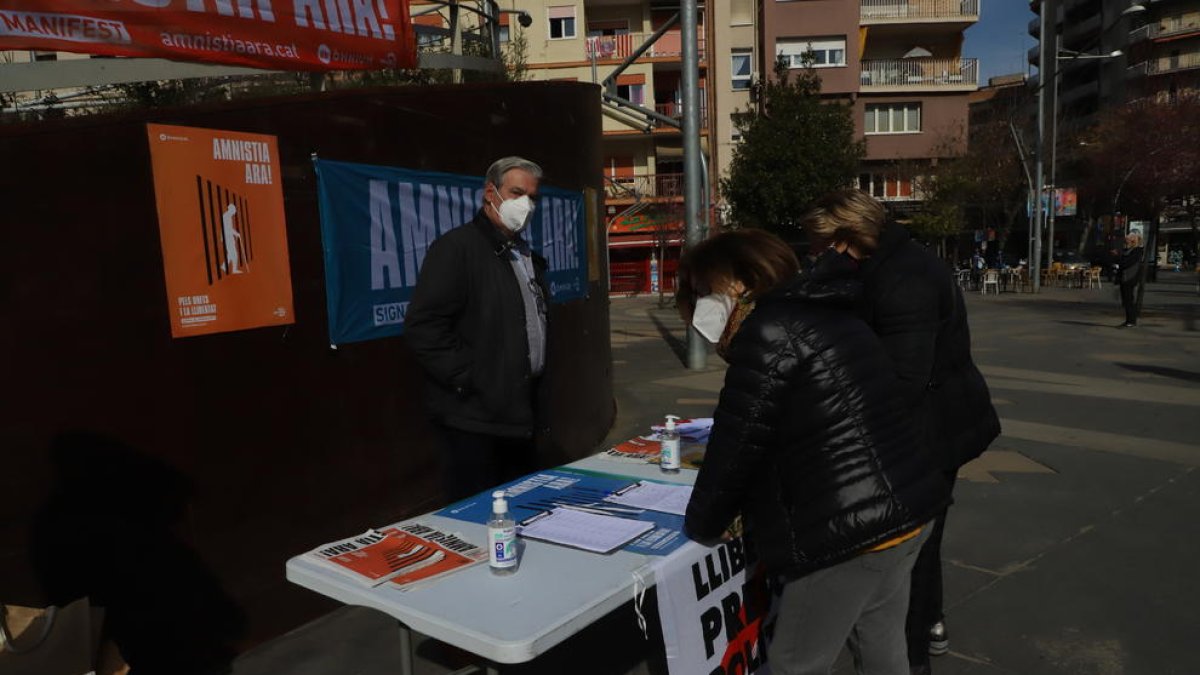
{"type": "Point", "coordinates": [915, 307]}
{"type": "Point", "coordinates": [1131, 276]}
{"type": "Point", "coordinates": [477, 322]}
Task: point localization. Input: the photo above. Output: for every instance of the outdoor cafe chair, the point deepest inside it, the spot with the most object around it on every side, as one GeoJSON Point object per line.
{"type": "Point", "coordinates": [990, 278]}
{"type": "Point", "coordinates": [964, 279]}
{"type": "Point", "coordinates": [1093, 277]}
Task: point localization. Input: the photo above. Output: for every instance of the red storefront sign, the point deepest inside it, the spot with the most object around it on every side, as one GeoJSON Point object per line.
{"type": "Point", "coordinates": [275, 34]}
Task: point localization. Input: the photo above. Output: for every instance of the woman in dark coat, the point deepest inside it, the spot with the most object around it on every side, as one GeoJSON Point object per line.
{"type": "Point", "coordinates": [811, 445]}
{"type": "Point", "coordinates": [913, 304]}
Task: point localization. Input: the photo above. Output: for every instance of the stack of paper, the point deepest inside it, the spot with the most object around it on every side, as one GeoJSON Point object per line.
{"type": "Point", "coordinates": [654, 497]}
{"type": "Point", "coordinates": [581, 529]}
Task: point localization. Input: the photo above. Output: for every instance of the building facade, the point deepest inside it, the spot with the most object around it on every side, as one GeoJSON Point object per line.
{"type": "Point", "coordinates": [1164, 51]}
{"type": "Point", "coordinates": [1159, 58]}
{"type": "Point", "coordinates": [900, 64]}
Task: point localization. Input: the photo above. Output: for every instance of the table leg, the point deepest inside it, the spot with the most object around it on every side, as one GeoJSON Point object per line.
{"type": "Point", "coordinates": [406, 652]}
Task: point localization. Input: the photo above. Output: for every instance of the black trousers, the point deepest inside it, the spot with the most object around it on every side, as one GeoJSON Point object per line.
{"type": "Point", "coordinates": [1129, 301]}
{"type": "Point", "coordinates": [472, 462]}
{"type": "Point", "coordinates": [925, 595]}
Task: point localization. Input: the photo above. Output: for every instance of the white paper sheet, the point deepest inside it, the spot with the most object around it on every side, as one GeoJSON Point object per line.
{"type": "Point", "coordinates": [655, 497]}
{"type": "Point", "coordinates": [580, 529]}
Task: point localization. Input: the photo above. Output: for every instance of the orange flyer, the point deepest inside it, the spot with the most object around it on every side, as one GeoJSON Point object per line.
{"type": "Point", "coordinates": [404, 555]}
{"type": "Point", "coordinates": [640, 449]}
{"type": "Point", "coordinates": [647, 450]}
{"type": "Point", "coordinates": [221, 222]}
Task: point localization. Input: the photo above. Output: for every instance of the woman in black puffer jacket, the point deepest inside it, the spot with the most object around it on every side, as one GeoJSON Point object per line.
{"type": "Point", "coordinates": [812, 446]}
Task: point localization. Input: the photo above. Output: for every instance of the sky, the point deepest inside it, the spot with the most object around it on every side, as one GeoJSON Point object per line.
{"type": "Point", "coordinates": [1001, 38]}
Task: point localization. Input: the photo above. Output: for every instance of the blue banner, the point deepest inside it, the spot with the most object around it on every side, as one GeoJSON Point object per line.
{"type": "Point", "coordinates": [377, 223]}
{"type": "Point", "coordinates": [546, 490]}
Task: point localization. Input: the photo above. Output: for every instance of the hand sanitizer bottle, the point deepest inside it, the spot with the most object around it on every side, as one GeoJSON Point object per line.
{"type": "Point", "coordinates": [669, 458]}
{"type": "Point", "coordinates": [502, 537]}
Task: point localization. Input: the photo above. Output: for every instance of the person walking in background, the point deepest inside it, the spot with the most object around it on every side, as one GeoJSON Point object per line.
{"type": "Point", "coordinates": [478, 325]}
{"type": "Point", "coordinates": [1131, 276]}
{"type": "Point", "coordinates": [913, 304]}
{"type": "Point", "coordinates": [812, 447]}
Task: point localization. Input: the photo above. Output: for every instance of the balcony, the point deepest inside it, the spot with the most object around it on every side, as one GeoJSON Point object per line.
{"type": "Point", "coordinates": [669, 46]}
{"type": "Point", "coordinates": [1167, 27]}
{"type": "Point", "coordinates": [657, 187]}
{"type": "Point", "coordinates": [1166, 64]}
{"type": "Point", "coordinates": [883, 75]}
{"type": "Point", "coordinates": [875, 12]}
{"type": "Point", "coordinates": [675, 111]}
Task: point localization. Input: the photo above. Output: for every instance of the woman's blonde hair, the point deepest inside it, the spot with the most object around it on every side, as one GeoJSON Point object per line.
{"type": "Point", "coordinates": [1135, 237]}
{"type": "Point", "coordinates": [757, 258]}
{"type": "Point", "coordinates": [850, 216]}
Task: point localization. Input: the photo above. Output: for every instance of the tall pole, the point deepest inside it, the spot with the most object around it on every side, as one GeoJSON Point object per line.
{"type": "Point", "coordinates": [1053, 187]}
{"type": "Point", "coordinates": [693, 201]}
{"type": "Point", "coordinates": [1039, 188]}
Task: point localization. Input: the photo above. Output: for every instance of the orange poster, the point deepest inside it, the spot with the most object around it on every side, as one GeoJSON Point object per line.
{"type": "Point", "coordinates": [220, 216]}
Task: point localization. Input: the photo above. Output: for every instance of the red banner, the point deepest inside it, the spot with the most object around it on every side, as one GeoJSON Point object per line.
{"type": "Point", "coordinates": [275, 34]}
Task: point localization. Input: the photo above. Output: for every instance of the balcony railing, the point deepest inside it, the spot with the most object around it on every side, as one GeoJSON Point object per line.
{"type": "Point", "coordinates": [657, 185]}
{"type": "Point", "coordinates": [920, 73]}
{"type": "Point", "coordinates": [1168, 26]}
{"type": "Point", "coordinates": [669, 46]}
{"type": "Point", "coordinates": [675, 111]}
{"type": "Point", "coordinates": [1171, 64]}
{"type": "Point", "coordinates": [917, 10]}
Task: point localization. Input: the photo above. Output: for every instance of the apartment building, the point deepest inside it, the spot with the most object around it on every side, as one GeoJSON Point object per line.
{"type": "Point", "coordinates": [1092, 28]}
{"type": "Point", "coordinates": [900, 64]}
{"type": "Point", "coordinates": [1164, 52]}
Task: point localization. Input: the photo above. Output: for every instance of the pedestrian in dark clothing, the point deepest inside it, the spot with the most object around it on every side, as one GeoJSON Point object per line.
{"type": "Point", "coordinates": [1131, 276]}
{"type": "Point", "coordinates": [811, 445]}
{"type": "Point", "coordinates": [915, 307]}
{"type": "Point", "coordinates": [478, 323]}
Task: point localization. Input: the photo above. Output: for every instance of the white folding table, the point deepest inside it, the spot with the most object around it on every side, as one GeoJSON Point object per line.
{"type": "Point", "coordinates": [556, 592]}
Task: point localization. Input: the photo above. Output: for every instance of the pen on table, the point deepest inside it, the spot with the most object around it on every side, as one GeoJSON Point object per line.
{"type": "Point", "coordinates": [598, 512]}
{"type": "Point", "coordinates": [627, 488]}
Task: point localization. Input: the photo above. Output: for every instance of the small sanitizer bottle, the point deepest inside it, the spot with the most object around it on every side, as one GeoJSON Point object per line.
{"type": "Point", "coordinates": [502, 537]}
{"type": "Point", "coordinates": [669, 458]}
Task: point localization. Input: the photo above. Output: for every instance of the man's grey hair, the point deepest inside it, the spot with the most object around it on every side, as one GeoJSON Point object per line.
{"type": "Point", "coordinates": [1135, 238]}
{"type": "Point", "coordinates": [495, 173]}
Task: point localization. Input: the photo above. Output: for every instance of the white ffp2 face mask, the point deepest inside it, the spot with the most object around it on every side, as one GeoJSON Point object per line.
{"type": "Point", "coordinates": [515, 213]}
{"type": "Point", "coordinates": [712, 315]}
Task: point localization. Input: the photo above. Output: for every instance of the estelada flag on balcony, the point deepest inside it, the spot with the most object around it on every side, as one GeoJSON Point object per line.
{"type": "Point", "coordinates": [275, 34]}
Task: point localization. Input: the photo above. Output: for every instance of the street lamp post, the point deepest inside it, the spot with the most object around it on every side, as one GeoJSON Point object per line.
{"type": "Point", "coordinates": [1048, 107]}
{"type": "Point", "coordinates": [1061, 55]}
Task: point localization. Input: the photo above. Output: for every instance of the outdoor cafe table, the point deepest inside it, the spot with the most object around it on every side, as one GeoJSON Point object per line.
{"type": "Point", "coordinates": [556, 593]}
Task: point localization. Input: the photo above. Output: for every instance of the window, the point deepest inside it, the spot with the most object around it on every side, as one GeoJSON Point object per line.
{"type": "Point", "coordinates": [45, 56]}
{"type": "Point", "coordinates": [741, 12]}
{"type": "Point", "coordinates": [635, 93]}
{"type": "Point", "coordinates": [562, 22]}
{"type": "Point", "coordinates": [885, 187]}
{"type": "Point", "coordinates": [893, 118]}
{"type": "Point", "coordinates": [503, 32]}
{"type": "Point", "coordinates": [828, 52]}
{"type": "Point", "coordinates": [740, 69]}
